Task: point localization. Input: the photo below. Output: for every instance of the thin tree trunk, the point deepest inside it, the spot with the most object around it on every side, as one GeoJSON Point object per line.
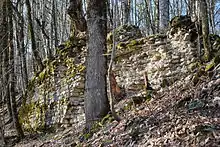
{"type": "Point", "coordinates": [2, 139]}
{"type": "Point", "coordinates": [164, 14]}
{"type": "Point", "coordinates": [110, 14]}
{"type": "Point", "coordinates": [211, 15]}
{"type": "Point", "coordinates": [148, 17]}
{"type": "Point", "coordinates": [55, 23]}
{"type": "Point", "coordinates": [23, 56]}
{"type": "Point", "coordinates": [156, 16]}
{"type": "Point", "coordinates": [135, 12]}
{"type": "Point", "coordinates": [205, 29]}
{"type": "Point", "coordinates": [33, 41]}
{"type": "Point", "coordinates": [12, 73]}
{"type": "Point", "coordinates": [126, 9]}
{"type": "Point", "coordinates": [6, 58]}
{"type": "Point", "coordinates": [111, 95]}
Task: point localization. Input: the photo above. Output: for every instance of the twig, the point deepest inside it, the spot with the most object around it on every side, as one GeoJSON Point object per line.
{"type": "Point", "coordinates": [116, 117]}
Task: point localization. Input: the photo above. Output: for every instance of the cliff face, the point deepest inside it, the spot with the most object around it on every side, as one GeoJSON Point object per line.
{"type": "Point", "coordinates": [56, 95]}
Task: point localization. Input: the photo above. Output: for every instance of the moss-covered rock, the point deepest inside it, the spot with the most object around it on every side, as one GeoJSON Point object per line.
{"type": "Point", "coordinates": [32, 116]}
{"type": "Point", "coordinates": [45, 100]}
{"type": "Point", "coordinates": [193, 66]}
{"type": "Point", "coordinates": [183, 23]}
{"type": "Point", "coordinates": [210, 65]}
{"type": "Point", "coordinates": [124, 33]}
{"type": "Point", "coordinates": [180, 21]}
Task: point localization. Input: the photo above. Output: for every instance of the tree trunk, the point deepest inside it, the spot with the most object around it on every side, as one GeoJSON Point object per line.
{"type": "Point", "coordinates": [96, 101]}
{"type": "Point", "coordinates": [148, 17]}
{"type": "Point", "coordinates": [205, 29]}
{"type": "Point", "coordinates": [2, 139]}
{"type": "Point", "coordinates": [126, 8]}
{"type": "Point", "coordinates": [110, 15]}
{"type": "Point", "coordinates": [54, 5]}
{"type": "Point", "coordinates": [6, 58]}
{"type": "Point", "coordinates": [135, 12]}
{"type": "Point", "coordinates": [211, 15]}
{"type": "Point", "coordinates": [156, 16]}
{"type": "Point", "coordinates": [164, 14]}
{"type": "Point", "coordinates": [33, 41]}
{"type": "Point", "coordinates": [23, 57]}
{"type": "Point", "coordinates": [12, 78]}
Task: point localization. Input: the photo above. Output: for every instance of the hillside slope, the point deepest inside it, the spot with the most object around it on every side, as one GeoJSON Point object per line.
{"type": "Point", "coordinates": [181, 110]}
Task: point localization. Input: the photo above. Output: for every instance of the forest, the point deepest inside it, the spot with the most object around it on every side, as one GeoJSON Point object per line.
{"type": "Point", "coordinates": [109, 73]}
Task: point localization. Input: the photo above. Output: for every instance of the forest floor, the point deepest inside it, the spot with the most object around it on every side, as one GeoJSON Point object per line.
{"type": "Point", "coordinates": [182, 116]}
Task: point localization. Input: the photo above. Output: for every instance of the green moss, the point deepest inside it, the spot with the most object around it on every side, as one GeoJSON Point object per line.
{"type": "Point", "coordinates": [215, 61]}
{"type": "Point", "coordinates": [121, 45]}
{"type": "Point", "coordinates": [210, 65]}
{"type": "Point", "coordinates": [132, 47]}
{"type": "Point", "coordinates": [107, 119]}
{"type": "Point", "coordinates": [193, 66]}
{"type": "Point", "coordinates": [68, 44]}
{"type": "Point", "coordinates": [126, 54]}
{"type": "Point", "coordinates": [33, 111]}
{"type": "Point", "coordinates": [43, 83]}
{"type": "Point", "coordinates": [86, 136]}
{"type": "Point", "coordinates": [152, 36]}
{"type": "Point", "coordinates": [133, 42]}
{"type": "Point", "coordinates": [128, 106]}
{"type": "Point", "coordinates": [81, 68]}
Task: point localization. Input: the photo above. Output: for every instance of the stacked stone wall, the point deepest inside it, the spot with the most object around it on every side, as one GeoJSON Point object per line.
{"type": "Point", "coordinates": [168, 62]}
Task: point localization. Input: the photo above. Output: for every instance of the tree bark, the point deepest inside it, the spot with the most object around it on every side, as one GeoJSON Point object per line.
{"type": "Point", "coordinates": [12, 78]}
{"type": "Point", "coordinates": [164, 14]}
{"type": "Point", "coordinates": [148, 17]}
{"type": "Point", "coordinates": [33, 41]}
{"type": "Point", "coordinates": [54, 5]}
{"type": "Point", "coordinates": [6, 68]}
{"type": "Point", "coordinates": [126, 9]}
{"type": "Point", "coordinates": [156, 16]}
{"type": "Point", "coordinates": [205, 29]}
{"type": "Point", "coordinates": [2, 139]}
{"type": "Point", "coordinates": [96, 101]}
